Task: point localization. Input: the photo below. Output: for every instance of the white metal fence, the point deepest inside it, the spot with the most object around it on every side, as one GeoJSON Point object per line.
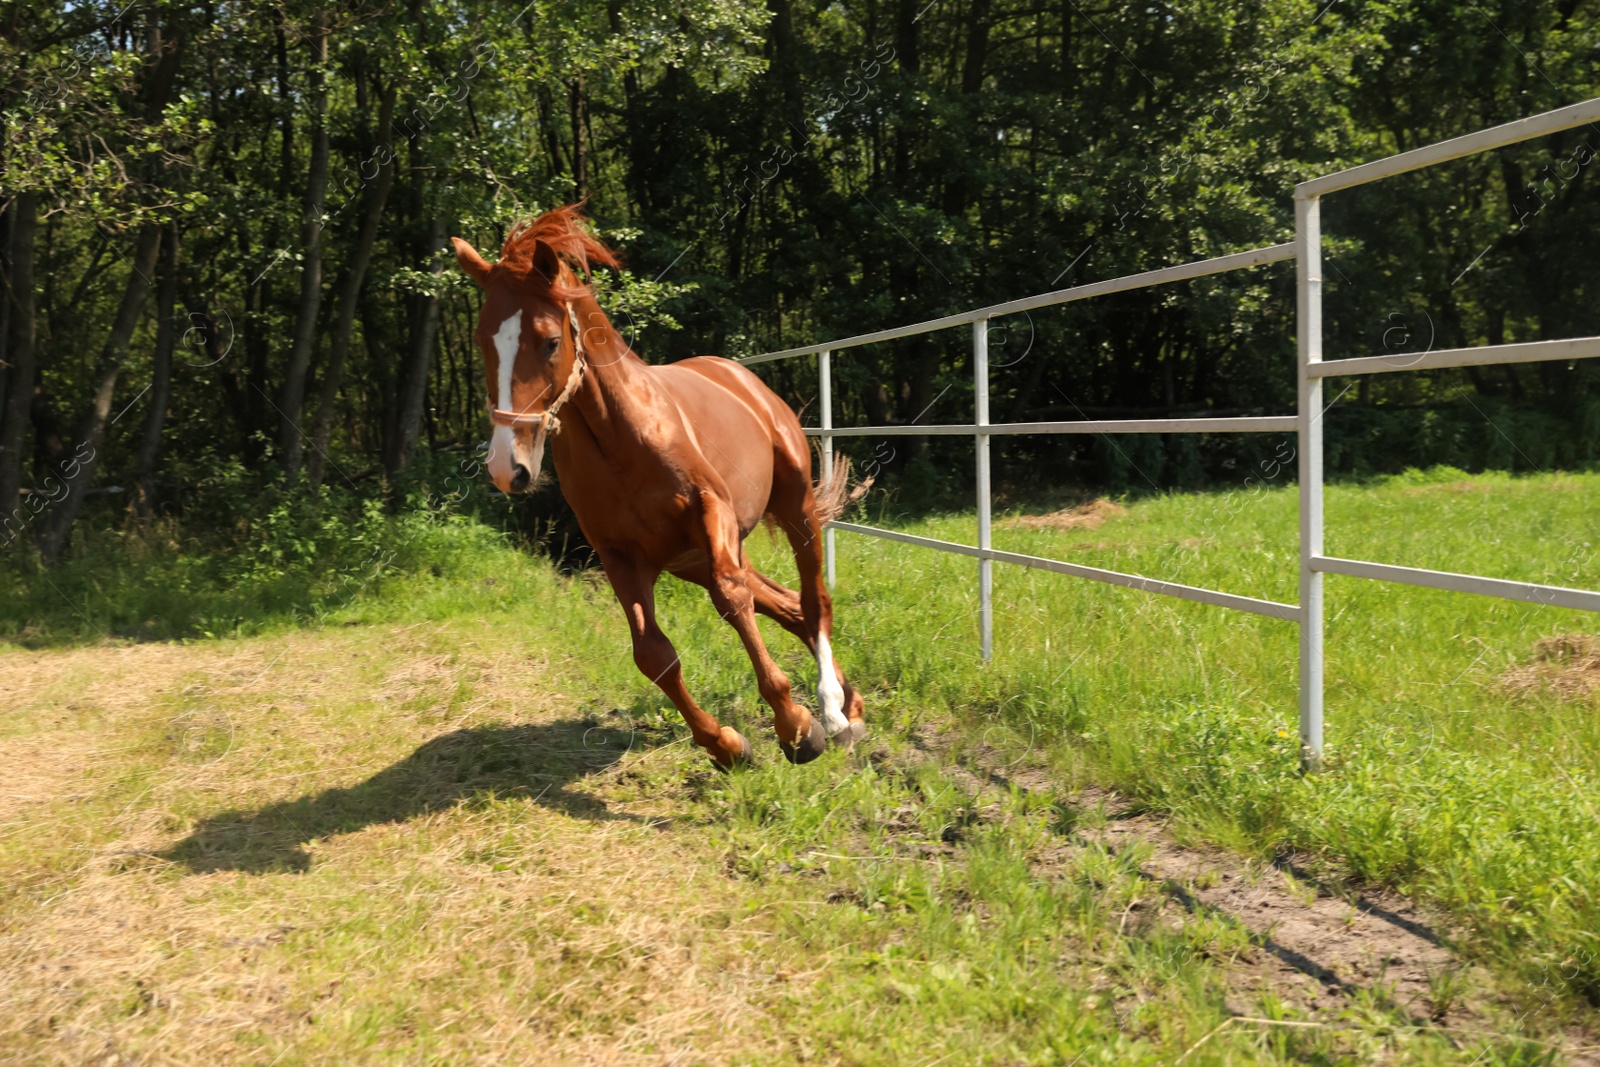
{"type": "Point", "coordinates": [1306, 251]}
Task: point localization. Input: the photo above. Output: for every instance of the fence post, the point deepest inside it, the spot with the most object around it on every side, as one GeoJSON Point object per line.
{"type": "Point", "coordinates": [825, 402]}
{"type": "Point", "coordinates": [1308, 283]}
{"type": "Point", "coordinates": [980, 387]}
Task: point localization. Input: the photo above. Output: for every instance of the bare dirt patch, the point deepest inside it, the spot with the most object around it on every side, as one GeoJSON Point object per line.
{"type": "Point", "coordinates": [1090, 516]}
{"type": "Point", "coordinates": [1317, 946]}
{"type": "Point", "coordinates": [1324, 950]}
{"type": "Point", "coordinates": [1567, 665]}
{"type": "Point", "coordinates": [1463, 486]}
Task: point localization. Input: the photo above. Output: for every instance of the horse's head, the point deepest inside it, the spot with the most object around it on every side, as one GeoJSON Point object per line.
{"type": "Point", "coordinates": [529, 331]}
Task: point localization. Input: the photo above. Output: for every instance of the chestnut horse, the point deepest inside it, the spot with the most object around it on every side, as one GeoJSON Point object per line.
{"type": "Point", "coordinates": [668, 468]}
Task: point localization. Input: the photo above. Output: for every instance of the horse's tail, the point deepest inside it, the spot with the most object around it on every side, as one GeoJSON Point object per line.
{"type": "Point", "coordinates": [834, 492]}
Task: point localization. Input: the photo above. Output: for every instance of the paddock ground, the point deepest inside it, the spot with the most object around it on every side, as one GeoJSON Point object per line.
{"type": "Point", "coordinates": [450, 825]}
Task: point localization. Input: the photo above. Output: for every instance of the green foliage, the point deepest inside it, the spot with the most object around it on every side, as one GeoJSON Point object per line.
{"type": "Point", "coordinates": [783, 173]}
{"type": "Point", "coordinates": [255, 557]}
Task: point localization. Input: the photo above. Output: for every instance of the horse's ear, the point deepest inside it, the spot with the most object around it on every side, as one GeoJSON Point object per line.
{"type": "Point", "coordinates": [546, 262]}
{"type": "Point", "coordinates": [471, 262]}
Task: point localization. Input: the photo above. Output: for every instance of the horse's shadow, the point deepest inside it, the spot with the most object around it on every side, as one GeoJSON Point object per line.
{"type": "Point", "coordinates": [536, 762]}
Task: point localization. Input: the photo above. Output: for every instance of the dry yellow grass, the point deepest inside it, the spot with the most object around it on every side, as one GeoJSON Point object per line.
{"type": "Point", "coordinates": [167, 899]}
{"type": "Point", "coordinates": [1090, 516]}
{"type": "Point", "coordinates": [1567, 665]}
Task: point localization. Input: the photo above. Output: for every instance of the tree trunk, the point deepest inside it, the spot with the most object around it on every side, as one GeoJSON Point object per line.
{"type": "Point", "coordinates": [908, 54]}
{"type": "Point", "coordinates": [257, 338]}
{"type": "Point", "coordinates": [22, 353]}
{"type": "Point", "coordinates": [377, 195]}
{"type": "Point", "coordinates": [793, 126]}
{"type": "Point", "coordinates": [977, 47]}
{"type": "Point", "coordinates": [5, 303]}
{"type": "Point", "coordinates": [286, 95]}
{"type": "Point", "coordinates": [580, 153]}
{"type": "Point", "coordinates": [291, 402]}
{"type": "Point", "coordinates": [552, 139]}
{"type": "Point", "coordinates": [413, 389]}
{"type": "Point", "coordinates": [1024, 397]}
{"type": "Point", "coordinates": [638, 175]}
{"type": "Point", "coordinates": [56, 314]}
{"type": "Point", "coordinates": [161, 374]}
{"type": "Point", "coordinates": [1069, 69]}
{"type": "Point", "coordinates": [959, 188]}
{"type": "Point", "coordinates": [383, 371]}
{"type": "Point", "coordinates": [92, 429]}
{"type": "Point", "coordinates": [926, 357]}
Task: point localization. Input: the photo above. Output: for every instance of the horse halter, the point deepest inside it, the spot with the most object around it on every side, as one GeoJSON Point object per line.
{"type": "Point", "coordinates": [547, 417]}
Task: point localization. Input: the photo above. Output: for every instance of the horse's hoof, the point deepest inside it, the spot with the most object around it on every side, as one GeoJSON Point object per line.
{"type": "Point", "coordinates": [810, 747]}
{"type": "Point", "coordinates": [745, 757]}
{"type": "Point", "coordinates": [850, 735]}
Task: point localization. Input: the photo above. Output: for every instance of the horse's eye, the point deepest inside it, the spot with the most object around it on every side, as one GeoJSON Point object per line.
{"type": "Point", "coordinates": [551, 345]}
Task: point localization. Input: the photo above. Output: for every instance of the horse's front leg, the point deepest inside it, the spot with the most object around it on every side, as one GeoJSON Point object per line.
{"type": "Point", "coordinates": [801, 736]}
{"type": "Point", "coordinates": [655, 657]}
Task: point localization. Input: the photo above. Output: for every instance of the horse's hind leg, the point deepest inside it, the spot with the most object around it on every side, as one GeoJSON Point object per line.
{"type": "Point", "coordinates": [802, 738]}
{"type": "Point", "coordinates": [796, 512]}
{"type": "Point", "coordinates": [782, 604]}
{"type": "Point", "coordinates": [655, 657]}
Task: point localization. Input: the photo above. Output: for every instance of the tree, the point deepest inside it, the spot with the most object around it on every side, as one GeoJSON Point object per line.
{"type": "Point", "coordinates": [778, 173]}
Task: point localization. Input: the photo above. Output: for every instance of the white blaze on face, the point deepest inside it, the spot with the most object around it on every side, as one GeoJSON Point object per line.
{"type": "Point", "coordinates": [830, 694]}
{"type": "Point", "coordinates": [502, 446]}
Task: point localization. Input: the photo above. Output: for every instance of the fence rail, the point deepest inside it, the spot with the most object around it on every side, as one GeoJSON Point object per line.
{"type": "Point", "coordinates": [1527, 352]}
{"type": "Point", "coordinates": [1254, 257]}
{"type": "Point", "coordinates": [1552, 595]}
{"type": "Point", "coordinates": [1251, 424]}
{"type": "Point", "coordinates": [1306, 424]}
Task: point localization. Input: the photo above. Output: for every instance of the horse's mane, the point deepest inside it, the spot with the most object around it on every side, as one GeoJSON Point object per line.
{"type": "Point", "coordinates": [567, 232]}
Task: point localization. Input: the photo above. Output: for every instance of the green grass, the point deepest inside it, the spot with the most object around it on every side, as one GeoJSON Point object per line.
{"type": "Point", "coordinates": [1438, 783]}
{"type": "Point", "coordinates": [444, 820]}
